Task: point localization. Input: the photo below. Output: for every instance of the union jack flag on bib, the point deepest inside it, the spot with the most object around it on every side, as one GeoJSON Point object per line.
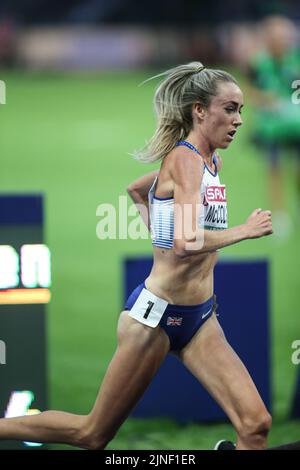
{"type": "Point", "coordinates": [176, 321]}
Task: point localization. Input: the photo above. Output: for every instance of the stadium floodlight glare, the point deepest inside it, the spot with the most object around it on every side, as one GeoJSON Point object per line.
{"type": "Point", "coordinates": [18, 405]}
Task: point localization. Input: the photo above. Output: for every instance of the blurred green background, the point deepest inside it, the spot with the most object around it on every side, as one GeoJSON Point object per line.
{"type": "Point", "coordinates": [69, 137]}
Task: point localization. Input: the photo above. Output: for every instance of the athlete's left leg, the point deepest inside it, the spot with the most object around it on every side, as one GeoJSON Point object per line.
{"type": "Point", "coordinates": [214, 363]}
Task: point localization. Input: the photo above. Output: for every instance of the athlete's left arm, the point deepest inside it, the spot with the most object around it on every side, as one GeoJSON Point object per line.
{"type": "Point", "coordinates": [138, 191]}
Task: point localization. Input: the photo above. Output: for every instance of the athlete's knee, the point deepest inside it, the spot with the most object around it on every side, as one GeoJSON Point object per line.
{"type": "Point", "coordinates": [92, 437]}
{"type": "Point", "coordinates": [95, 441]}
{"type": "Point", "coordinates": [255, 427]}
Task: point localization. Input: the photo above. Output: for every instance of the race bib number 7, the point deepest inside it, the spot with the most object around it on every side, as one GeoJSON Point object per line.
{"type": "Point", "coordinates": [148, 308]}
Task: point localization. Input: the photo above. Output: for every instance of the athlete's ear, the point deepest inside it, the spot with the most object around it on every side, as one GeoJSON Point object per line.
{"type": "Point", "coordinates": [198, 110]}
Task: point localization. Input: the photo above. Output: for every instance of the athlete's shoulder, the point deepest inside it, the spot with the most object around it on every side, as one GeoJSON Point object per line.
{"type": "Point", "coordinates": [186, 167]}
{"type": "Point", "coordinates": [183, 156]}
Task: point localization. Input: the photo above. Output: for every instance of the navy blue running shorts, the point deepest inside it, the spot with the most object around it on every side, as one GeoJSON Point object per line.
{"type": "Point", "coordinates": [180, 322]}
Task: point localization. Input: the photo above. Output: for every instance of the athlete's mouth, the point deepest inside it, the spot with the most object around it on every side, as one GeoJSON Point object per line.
{"type": "Point", "coordinates": [231, 134]}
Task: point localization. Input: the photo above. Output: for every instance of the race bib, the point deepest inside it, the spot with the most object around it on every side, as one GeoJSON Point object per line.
{"type": "Point", "coordinates": [148, 308]}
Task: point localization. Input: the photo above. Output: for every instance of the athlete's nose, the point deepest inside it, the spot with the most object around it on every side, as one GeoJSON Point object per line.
{"type": "Point", "coordinates": [238, 121]}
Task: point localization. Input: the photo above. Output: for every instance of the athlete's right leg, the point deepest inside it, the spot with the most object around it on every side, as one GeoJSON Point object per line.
{"type": "Point", "coordinates": [215, 364]}
{"type": "Point", "coordinates": [140, 352]}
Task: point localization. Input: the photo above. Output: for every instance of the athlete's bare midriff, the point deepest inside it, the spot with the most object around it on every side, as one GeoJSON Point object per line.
{"type": "Point", "coordinates": [182, 281]}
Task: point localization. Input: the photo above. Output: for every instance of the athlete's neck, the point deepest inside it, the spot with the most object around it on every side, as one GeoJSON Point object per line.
{"type": "Point", "coordinates": [202, 147]}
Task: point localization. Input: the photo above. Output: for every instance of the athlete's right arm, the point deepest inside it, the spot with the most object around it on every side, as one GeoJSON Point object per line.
{"type": "Point", "coordinates": [189, 238]}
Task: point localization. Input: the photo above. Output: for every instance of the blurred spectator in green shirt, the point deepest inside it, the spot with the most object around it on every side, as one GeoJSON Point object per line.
{"type": "Point", "coordinates": [277, 119]}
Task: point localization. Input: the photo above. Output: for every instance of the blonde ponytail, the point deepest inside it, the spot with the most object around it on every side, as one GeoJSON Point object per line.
{"type": "Point", "coordinates": [173, 102]}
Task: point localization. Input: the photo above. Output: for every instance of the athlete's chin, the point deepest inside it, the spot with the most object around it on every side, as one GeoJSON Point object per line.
{"type": "Point", "coordinates": [224, 145]}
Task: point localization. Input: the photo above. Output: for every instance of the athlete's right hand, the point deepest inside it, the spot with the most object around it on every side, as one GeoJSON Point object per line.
{"type": "Point", "coordinates": [259, 224]}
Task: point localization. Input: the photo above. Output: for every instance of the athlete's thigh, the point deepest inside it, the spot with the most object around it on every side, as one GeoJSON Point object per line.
{"type": "Point", "coordinates": [215, 364]}
{"type": "Point", "coordinates": [139, 353]}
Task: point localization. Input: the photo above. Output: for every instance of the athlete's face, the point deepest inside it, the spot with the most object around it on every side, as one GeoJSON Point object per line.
{"type": "Point", "coordinates": [223, 116]}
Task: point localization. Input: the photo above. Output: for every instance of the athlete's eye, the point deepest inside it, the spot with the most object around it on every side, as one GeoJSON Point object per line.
{"type": "Point", "coordinates": [232, 110]}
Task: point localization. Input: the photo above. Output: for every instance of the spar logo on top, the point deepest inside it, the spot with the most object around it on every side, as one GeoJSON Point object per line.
{"type": "Point", "coordinates": [215, 207]}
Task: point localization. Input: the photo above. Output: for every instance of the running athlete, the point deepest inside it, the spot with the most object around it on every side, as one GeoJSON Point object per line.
{"type": "Point", "coordinates": [198, 111]}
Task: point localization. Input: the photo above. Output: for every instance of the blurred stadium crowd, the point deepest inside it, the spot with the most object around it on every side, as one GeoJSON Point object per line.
{"type": "Point", "coordinates": [30, 12]}
{"type": "Point", "coordinates": [118, 33]}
